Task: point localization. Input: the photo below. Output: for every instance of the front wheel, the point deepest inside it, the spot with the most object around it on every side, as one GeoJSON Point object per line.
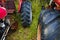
{"type": "Point", "coordinates": [26, 13]}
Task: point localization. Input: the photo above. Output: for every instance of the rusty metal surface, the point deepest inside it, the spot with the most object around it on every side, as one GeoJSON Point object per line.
{"type": "Point", "coordinates": [14, 26]}
{"type": "Point", "coordinates": [13, 22]}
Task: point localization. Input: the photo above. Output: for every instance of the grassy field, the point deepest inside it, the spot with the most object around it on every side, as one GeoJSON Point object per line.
{"type": "Point", "coordinates": [28, 33]}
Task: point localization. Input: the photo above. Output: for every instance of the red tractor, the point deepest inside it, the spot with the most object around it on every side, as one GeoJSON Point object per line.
{"type": "Point", "coordinates": [8, 7]}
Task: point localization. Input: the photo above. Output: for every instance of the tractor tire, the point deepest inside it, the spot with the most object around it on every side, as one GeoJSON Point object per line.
{"type": "Point", "coordinates": [50, 24]}
{"type": "Point", "coordinates": [26, 13]}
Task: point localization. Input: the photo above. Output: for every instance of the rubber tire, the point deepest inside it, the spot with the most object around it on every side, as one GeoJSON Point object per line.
{"type": "Point", "coordinates": [50, 24]}
{"type": "Point", "coordinates": [26, 13]}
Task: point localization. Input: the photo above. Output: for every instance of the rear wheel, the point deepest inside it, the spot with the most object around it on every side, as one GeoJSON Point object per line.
{"type": "Point", "coordinates": [26, 13]}
{"type": "Point", "coordinates": [50, 25]}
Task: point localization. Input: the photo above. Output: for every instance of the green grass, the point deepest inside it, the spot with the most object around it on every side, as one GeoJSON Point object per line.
{"type": "Point", "coordinates": [28, 33]}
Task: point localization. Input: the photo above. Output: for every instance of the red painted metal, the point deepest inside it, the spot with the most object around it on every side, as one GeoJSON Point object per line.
{"type": "Point", "coordinates": [19, 6]}
{"type": "Point", "coordinates": [57, 1]}
{"type": "Point", "coordinates": [3, 12]}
